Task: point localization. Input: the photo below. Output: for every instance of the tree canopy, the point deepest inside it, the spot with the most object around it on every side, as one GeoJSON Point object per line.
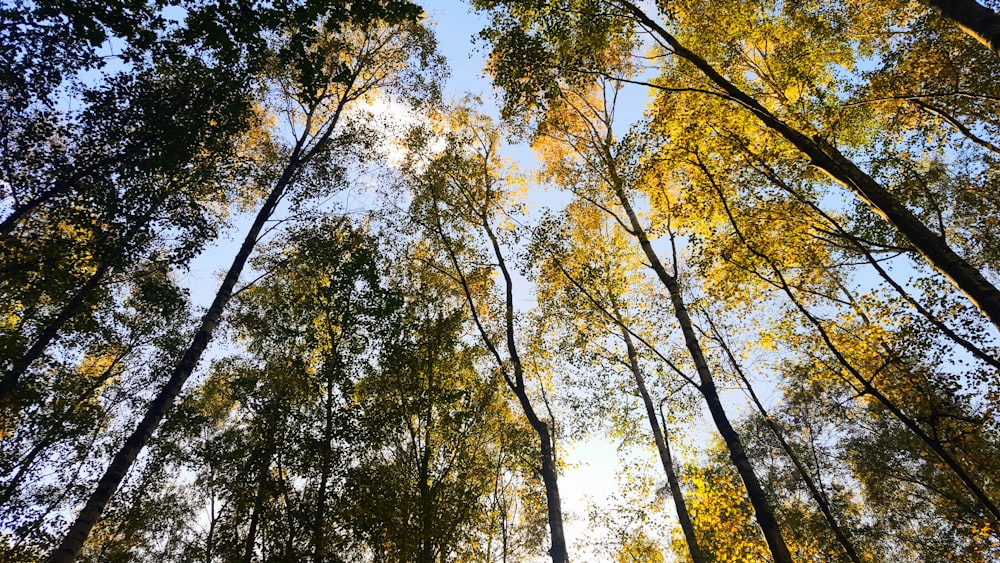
{"type": "Point", "coordinates": [755, 248]}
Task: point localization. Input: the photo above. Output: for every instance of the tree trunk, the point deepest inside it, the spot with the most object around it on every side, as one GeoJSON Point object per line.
{"type": "Point", "coordinates": [319, 532]}
{"type": "Point", "coordinates": [762, 508]}
{"type": "Point", "coordinates": [258, 505]}
{"type": "Point", "coordinates": [75, 306]}
{"type": "Point", "coordinates": [976, 20]}
{"type": "Point", "coordinates": [127, 455]}
{"type": "Point", "coordinates": [550, 479]}
{"type": "Point", "coordinates": [814, 491]}
{"type": "Point", "coordinates": [548, 472]}
{"type": "Point", "coordinates": [426, 546]}
{"type": "Point", "coordinates": [558, 551]}
{"type": "Point", "coordinates": [663, 447]}
{"type": "Point", "coordinates": [826, 157]}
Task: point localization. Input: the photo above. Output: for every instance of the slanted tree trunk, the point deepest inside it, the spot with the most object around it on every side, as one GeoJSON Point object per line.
{"type": "Point", "coordinates": [762, 507]}
{"type": "Point", "coordinates": [663, 447]}
{"type": "Point", "coordinates": [976, 20]}
{"type": "Point", "coordinates": [827, 158]}
{"type": "Point", "coordinates": [126, 456]}
{"type": "Point", "coordinates": [814, 490]}
{"type": "Point", "coordinates": [59, 187]}
{"type": "Point", "coordinates": [866, 383]}
{"type": "Point", "coordinates": [76, 305]}
{"type": "Point", "coordinates": [314, 139]}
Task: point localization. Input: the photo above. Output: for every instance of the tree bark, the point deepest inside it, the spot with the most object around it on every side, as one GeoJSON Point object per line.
{"type": "Point", "coordinates": [976, 20]}
{"type": "Point", "coordinates": [663, 447]}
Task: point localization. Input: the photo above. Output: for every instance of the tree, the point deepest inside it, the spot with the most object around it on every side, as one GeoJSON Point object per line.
{"type": "Point", "coordinates": [439, 424]}
{"type": "Point", "coordinates": [110, 221]}
{"type": "Point", "coordinates": [597, 255]}
{"type": "Point", "coordinates": [322, 89]}
{"type": "Point", "coordinates": [596, 165]}
{"type": "Point", "coordinates": [460, 195]}
{"type": "Point", "coordinates": [533, 61]}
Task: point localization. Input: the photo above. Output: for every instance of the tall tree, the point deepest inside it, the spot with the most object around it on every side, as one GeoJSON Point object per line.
{"type": "Point", "coordinates": [461, 196]}
{"type": "Point", "coordinates": [353, 62]}
{"type": "Point", "coordinates": [538, 51]}
{"type": "Point", "coordinates": [595, 164]}
{"type": "Point", "coordinates": [586, 264]}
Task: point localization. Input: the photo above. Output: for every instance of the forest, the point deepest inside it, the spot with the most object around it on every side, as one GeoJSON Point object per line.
{"type": "Point", "coordinates": [771, 285]}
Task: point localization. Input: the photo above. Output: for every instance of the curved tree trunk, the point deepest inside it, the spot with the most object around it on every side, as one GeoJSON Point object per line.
{"type": "Point", "coordinates": [516, 384]}
{"type": "Point", "coordinates": [550, 479]}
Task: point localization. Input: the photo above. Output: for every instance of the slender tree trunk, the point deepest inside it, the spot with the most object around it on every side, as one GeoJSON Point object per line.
{"type": "Point", "coordinates": [115, 473]}
{"type": "Point", "coordinates": [550, 479]}
{"type": "Point", "coordinates": [258, 505]}
{"type": "Point", "coordinates": [826, 157]}
{"type": "Point", "coordinates": [424, 486]}
{"type": "Point", "coordinates": [55, 432]}
{"type": "Point", "coordinates": [932, 442]}
{"type": "Point", "coordinates": [289, 520]}
{"type": "Point", "coordinates": [976, 20]}
{"type": "Point", "coordinates": [814, 490]}
{"type": "Point", "coordinates": [210, 539]}
{"type": "Point", "coordinates": [663, 447]}
{"type": "Point", "coordinates": [73, 307]}
{"type": "Point", "coordinates": [22, 468]}
{"type": "Point", "coordinates": [20, 212]}
{"type": "Point", "coordinates": [859, 246]}
{"type": "Point", "coordinates": [547, 470]}
{"type": "Point", "coordinates": [426, 554]}
{"type": "Point", "coordinates": [762, 508]}
{"type": "Point", "coordinates": [65, 186]}
{"type": "Point", "coordinates": [58, 188]}
{"type": "Point", "coordinates": [319, 532]}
